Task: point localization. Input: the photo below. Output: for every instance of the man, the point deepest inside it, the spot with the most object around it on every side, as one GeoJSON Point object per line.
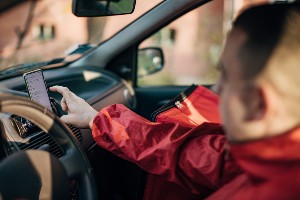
{"type": "Point", "coordinates": [260, 111]}
{"type": "Point", "coordinates": [260, 103]}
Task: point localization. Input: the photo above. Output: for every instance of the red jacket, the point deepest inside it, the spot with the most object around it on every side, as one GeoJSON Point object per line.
{"type": "Point", "coordinates": [272, 169]}
{"type": "Point", "coordinates": [194, 158]}
{"type": "Point", "coordinates": [190, 160]}
{"type": "Point", "coordinates": [191, 108]}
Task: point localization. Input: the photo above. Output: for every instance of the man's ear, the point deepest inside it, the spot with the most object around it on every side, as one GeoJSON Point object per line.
{"type": "Point", "coordinates": [255, 103]}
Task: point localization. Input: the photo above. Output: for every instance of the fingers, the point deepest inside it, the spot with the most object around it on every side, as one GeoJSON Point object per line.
{"type": "Point", "coordinates": [67, 94]}
{"type": "Point", "coordinates": [80, 113]}
{"type": "Point", "coordinates": [64, 105]}
{"type": "Point", "coordinates": [55, 88]}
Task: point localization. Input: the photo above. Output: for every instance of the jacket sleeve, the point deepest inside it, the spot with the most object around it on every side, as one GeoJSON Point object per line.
{"type": "Point", "coordinates": [190, 157]}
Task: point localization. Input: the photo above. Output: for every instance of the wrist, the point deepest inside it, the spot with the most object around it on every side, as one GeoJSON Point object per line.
{"type": "Point", "coordinates": [91, 122]}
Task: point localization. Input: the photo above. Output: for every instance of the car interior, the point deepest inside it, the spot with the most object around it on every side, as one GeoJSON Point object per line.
{"type": "Point", "coordinates": [105, 74]}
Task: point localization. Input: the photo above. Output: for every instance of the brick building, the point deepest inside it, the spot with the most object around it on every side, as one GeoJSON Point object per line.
{"type": "Point", "coordinates": [38, 30]}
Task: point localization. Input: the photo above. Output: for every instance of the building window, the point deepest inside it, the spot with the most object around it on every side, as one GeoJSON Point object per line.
{"type": "Point", "coordinates": [44, 32]}
{"type": "Point", "coordinates": [166, 36]}
{"type": "Point", "coordinates": [172, 35]}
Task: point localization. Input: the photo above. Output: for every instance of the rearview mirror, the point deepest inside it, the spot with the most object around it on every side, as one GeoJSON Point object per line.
{"type": "Point", "coordinates": [150, 61]}
{"type": "Point", "coordinates": [96, 8]}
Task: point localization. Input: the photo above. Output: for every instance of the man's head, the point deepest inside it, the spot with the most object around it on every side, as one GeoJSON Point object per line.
{"type": "Point", "coordinates": [260, 74]}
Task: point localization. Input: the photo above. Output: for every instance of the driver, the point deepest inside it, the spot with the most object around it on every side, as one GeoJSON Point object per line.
{"type": "Point", "coordinates": [260, 111]}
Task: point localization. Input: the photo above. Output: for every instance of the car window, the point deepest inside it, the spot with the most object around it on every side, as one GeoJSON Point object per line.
{"type": "Point", "coordinates": [191, 45]}
{"type": "Point", "coordinates": [35, 31]}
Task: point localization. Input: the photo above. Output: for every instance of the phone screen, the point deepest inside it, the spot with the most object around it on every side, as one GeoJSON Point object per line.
{"type": "Point", "coordinates": [37, 89]}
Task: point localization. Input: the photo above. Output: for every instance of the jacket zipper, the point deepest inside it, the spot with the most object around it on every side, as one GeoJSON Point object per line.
{"type": "Point", "coordinates": [175, 102]}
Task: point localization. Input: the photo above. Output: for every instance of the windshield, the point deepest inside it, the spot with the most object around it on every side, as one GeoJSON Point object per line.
{"type": "Point", "coordinates": [36, 31]}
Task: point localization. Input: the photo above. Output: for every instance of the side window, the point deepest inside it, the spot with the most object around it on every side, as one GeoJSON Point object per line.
{"type": "Point", "coordinates": [191, 46]}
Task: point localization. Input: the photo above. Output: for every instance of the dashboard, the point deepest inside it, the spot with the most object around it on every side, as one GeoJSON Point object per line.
{"type": "Point", "coordinates": [97, 86]}
{"type": "Point", "coordinates": [19, 134]}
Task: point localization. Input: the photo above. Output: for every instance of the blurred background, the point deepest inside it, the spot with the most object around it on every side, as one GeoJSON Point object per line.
{"type": "Point", "coordinates": [40, 30]}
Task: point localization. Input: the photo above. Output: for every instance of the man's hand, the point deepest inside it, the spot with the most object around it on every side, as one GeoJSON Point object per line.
{"type": "Point", "coordinates": [80, 113]}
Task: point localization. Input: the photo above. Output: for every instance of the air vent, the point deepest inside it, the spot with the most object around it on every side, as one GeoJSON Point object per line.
{"type": "Point", "coordinates": [37, 139]}
{"type": "Point", "coordinates": [76, 133]}
{"type": "Point", "coordinates": [42, 141]}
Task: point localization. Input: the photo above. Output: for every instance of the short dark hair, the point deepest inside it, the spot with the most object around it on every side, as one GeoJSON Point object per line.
{"type": "Point", "coordinates": [264, 26]}
{"type": "Point", "coordinates": [271, 52]}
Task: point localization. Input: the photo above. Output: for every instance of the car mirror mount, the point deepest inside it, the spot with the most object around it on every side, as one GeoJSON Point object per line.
{"type": "Point", "coordinates": [97, 8]}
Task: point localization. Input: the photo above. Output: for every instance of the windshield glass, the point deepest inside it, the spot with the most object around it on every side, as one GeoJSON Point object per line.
{"type": "Point", "coordinates": [36, 31]}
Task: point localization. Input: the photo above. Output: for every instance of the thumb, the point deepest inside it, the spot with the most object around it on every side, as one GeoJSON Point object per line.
{"type": "Point", "coordinates": [66, 119]}
{"type": "Point", "coordinates": [64, 105]}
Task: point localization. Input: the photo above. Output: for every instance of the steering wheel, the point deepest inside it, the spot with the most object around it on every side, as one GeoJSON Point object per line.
{"type": "Point", "coordinates": [74, 160]}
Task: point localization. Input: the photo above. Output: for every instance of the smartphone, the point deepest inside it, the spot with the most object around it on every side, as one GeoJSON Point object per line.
{"type": "Point", "coordinates": [37, 88]}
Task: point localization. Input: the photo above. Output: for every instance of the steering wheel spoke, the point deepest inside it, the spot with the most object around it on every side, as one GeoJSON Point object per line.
{"type": "Point", "coordinates": [74, 160]}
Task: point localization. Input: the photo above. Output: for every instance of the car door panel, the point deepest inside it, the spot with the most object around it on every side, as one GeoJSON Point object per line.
{"type": "Point", "coordinates": [151, 98]}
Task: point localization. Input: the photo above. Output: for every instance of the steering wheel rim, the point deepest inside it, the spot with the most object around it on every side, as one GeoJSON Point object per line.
{"type": "Point", "coordinates": [74, 160]}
